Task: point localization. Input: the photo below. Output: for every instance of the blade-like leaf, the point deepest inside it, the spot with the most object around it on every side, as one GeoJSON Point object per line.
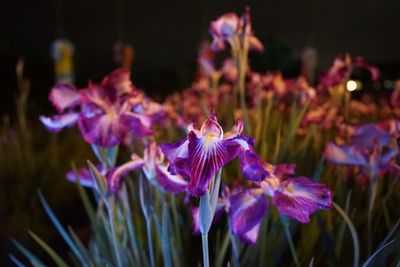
{"type": "Point", "coordinates": [56, 258]}
{"type": "Point", "coordinates": [32, 258]}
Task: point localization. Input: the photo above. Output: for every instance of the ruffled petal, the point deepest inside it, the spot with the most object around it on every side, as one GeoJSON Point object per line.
{"type": "Point", "coordinates": [58, 122]}
{"type": "Point", "coordinates": [64, 96]}
{"type": "Point", "coordinates": [115, 175]}
{"type": "Point", "coordinates": [347, 155]}
{"type": "Point", "coordinates": [299, 197]}
{"type": "Point", "coordinates": [138, 124]}
{"type": "Point", "coordinates": [236, 130]}
{"type": "Point", "coordinates": [206, 156]}
{"type": "Point", "coordinates": [246, 211]}
{"type": "Point", "coordinates": [119, 81]}
{"type": "Point", "coordinates": [103, 130]}
{"type": "Point", "coordinates": [255, 44]}
{"type": "Point", "coordinates": [175, 152]}
{"type": "Point", "coordinates": [170, 183]}
{"type": "Point", "coordinates": [250, 163]}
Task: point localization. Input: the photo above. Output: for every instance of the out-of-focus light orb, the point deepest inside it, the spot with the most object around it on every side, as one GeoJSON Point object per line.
{"type": "Point", "coordinates": [351, 85]}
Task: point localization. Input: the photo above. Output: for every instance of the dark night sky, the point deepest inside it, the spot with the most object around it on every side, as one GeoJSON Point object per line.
{"type": "Point", "coordinates": [166, 34]}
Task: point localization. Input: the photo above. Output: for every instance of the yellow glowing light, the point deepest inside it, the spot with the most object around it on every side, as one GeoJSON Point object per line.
{"type": "Point", "coordinates": [351, 85]}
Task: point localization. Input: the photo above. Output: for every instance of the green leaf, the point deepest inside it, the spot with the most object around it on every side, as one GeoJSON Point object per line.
{"type": "Point", "coordinates": [56, 258]}
{"type": "Point", "coordinates": [32, 258]}
{"type": "Point", "coordinates": [16, 261]}
{"type": "Point", "coordinates": [61, 229]}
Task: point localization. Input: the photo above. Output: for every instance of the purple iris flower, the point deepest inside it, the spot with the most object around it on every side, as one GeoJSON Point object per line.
{"type": "Point", "coordinates": [153, 168]}
{"type": "Point", "coordinates": [229, 28]}
{"type": "Point", "coordinates": [105, 114]}
{"type": "Point", "coordinates": [296, 198]}
{"type": "Point", "coordinates": [370, 149]}
{"type": "Point", "coordinates": [200, 155]}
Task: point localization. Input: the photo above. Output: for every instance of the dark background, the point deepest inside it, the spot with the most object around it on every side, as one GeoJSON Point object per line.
{"type": "Point", "coordinates": [166, 36]}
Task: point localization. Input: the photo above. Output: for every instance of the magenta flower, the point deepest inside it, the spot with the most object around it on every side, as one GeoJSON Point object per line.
{"type": "Point", "coordinates": [200, 155]}
{"type": "Point", "coordinates": [343, 67]}
{"type": "Point", "coordinates": [296, 198]}
{"type": "Point", "coordinates": [370, 149]}
{"type": "Point", "coordinates": [152, 166]}
{"type": "Point", "coordinates": [84, 176]}
{"type": "Point", "coordinates": [229, 28]}
{"type": "Point", "coordinates": [105, 113]}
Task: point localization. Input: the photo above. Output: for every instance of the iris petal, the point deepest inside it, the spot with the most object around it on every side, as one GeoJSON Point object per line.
{"type": "Point", "coordinates": [170, 183]}
{"type": "Point", "coordinates": [299, 197]}
{"type": "Point", "coordinates": [247, 209]}
{"type": "Point", "coordinates": [115, 175]}
{"type": "Point", "coordinates": [206, 156]}
{"type": "Point", "coordinates": [348, 155]}
{"type": "Point", "coordinates": [58, 122]}
{"type": "Point", "coordinates": [64, 96]}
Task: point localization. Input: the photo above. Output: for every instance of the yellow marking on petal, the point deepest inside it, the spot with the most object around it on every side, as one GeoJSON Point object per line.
{"type": "Point", "coordinates": [209, 137]}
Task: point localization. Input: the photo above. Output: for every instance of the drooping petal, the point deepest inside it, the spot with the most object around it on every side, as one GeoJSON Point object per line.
{"type": "Point", "coordinates": [366, 135]}
{"type": "Point", "coordinates": [250, 237]}
{"type": "Point", "coordinates": [250, 163]}
{"type": "Point", "coordinates": [251, 166]}
{"type": "Point", "coordinates": [58, 122]}
{"type": "Point", "coordinates": [206, 156]}
{"type": "Point", "coordinates": [169, 182]}
{"type": "Point", "coordinates": [115, 175]}
{"type": "Point", "coordinates": [299, 197]}
{"type": "Point", "coordinates": [138, 124]}
{"type": "Point", "coordinates": [174, 152]}
{"type": "Point", "coordinates": [64, 96]}
{"type": "Point", "coordinates": [84, 176]}
{"type": "Point", "coordinates": [103, 130]}
{"type": "Point", "coordinates": [347, 155]}
{"type": "Point", "coordinates": [246, 211]}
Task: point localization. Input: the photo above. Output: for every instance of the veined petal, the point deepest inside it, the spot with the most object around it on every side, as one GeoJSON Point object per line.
{"type": "Point", "coordinates": [251, 166]}
{"type": "Point", "coordinates": [169, 182]}
{"type": "Point", "coordinates": [103, 130]}
{"type": "Point", "coordinates": [174, 152]}
{"type": "Point", "coordinates": [58, 122]}
{"type": "Point", "coordinates": [347, 155]}
{"type": "Point", "coordinates": [246, 210]}
{"type": "Point", "coordinates": [250, 163]}
{"type": "Point", "coordinates": [64, 96]}
{"type": "Point", "coordinates": [299, 197]}
{"type": "Point", "coordinates": [206, 156]}
{"type": "Point", "coordinates": [138, 124]}
{"type": "Point", "coordinates": [115, 175]}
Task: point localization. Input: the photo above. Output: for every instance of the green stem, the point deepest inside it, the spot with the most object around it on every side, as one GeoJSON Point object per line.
{"type": "Point", "coordinates": [291, 245]}
{"type": "Point", "coordinates": [111, 206]}
{"type": "Point", "coordinates": [204, 239]}
{"type": "Point", "coordinates": [150, 241]}
{"type": "Point", "coordinates": [353, 232]}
